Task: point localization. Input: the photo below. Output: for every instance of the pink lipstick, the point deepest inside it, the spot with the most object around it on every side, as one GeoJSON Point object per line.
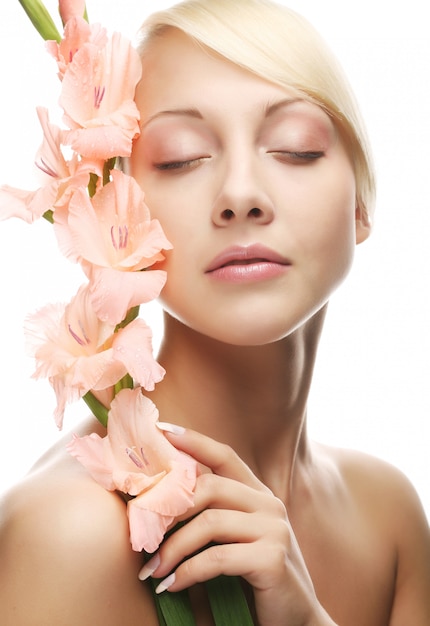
{"type": "Point", "coordinates": [239, 264]}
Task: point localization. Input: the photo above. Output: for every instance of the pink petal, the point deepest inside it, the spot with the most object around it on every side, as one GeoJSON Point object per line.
{"type": "Point", "coordinates": [98, 98]}
{"type": "Point", "coordinates": [113, 229]}
{"type": "Point", "coordinates": [71, 8]}
{"type": "Point", "coordinates": [174, 493]}
{"type": "Point", "coordinates": [114, 292]}
{"type": "Point", "coordinates": [151, 513]}
{"type": "Point", "coordinates": [80, 376]}
{"type": "Point", "coordinates": [147, 528]}
{"type": "Point", "coordinates": [27, 205]}
{"type": "Point", "coordinates": [96, 372]}
{"type": "Point", "coordinates": [73, 350]}
{"type": "Point", "coordinates": [132, 418]}
{"type": "Point", "coordinates": [77, 226]}
{"type": "Point", "coordinates": [77, 33]}
{"type": "Point", "coordinates": [111, 137]}
{"type": "Point", "coordinates": [49, 158]}
{"type": "Point", "coordinates": [134, 482]}
{"type": "Point", "coordinates": [93, 453]}
{"type": "Point", "coordinates": [132, 346]}
{"type": "Point", "coordinates": [150, 241]}
{"type": "Point", "coordinates": [140, 461]}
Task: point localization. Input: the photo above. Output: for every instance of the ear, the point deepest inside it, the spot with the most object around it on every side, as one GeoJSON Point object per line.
{"type": "Point", "coordinates": [363, 226]}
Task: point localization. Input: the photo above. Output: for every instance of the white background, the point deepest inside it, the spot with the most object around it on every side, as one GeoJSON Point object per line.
{"type": "Point", "coordinates": [371, 388]}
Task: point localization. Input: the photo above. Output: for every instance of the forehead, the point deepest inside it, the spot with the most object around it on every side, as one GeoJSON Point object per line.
{"type": "Point", "coordinates": [179, 72]}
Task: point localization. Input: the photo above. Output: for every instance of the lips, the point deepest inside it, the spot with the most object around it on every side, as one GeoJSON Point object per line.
{"type": "Point", "coordinates": [246, 255]}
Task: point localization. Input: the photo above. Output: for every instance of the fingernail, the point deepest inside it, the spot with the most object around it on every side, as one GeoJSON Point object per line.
{"type": "Point", "coordinates": [170, 428]}
{"type": "Point", "coordinates": [149, 568]}
{"type": "Point", "coordinates": [166, 583]}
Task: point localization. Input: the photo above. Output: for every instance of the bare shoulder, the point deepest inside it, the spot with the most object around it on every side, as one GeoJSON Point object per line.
{"type": "Point", "coordinates": [390, 505]}
{"type": "Point", "coordinates": [383, 487]}
{"type": "Point", "coordinates": [65, 553]}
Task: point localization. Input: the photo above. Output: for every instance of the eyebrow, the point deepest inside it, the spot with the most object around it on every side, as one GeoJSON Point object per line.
{"type": "Point", "coordinates": [271, 109]}
{"type": "Point", "coordinates": [195, 113]}
{"type": "Point", "coordinates": [181, 112]}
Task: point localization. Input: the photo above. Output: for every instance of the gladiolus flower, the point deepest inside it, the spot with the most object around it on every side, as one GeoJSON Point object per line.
{"type": "Point", "coordinates": [136, 458]}
{"type": "Point", "coordinates": [60, 177]}
{"type": "Point", "coordinates": [77, 33]}
{"type": "Point", "coordinates": [98, 99]}
{"type": "Point", "coordinates": [114, 239]}
{"type": "Point", "coordinates": [78, 352]}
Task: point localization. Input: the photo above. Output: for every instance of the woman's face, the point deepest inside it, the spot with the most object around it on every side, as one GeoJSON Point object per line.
{"type": "Point", "coordinates": [252, 186]}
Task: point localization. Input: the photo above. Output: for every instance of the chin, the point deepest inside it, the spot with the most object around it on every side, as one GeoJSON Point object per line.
{"type": "Point", "coordinates": [255, 326]}
{"type": "Point", "coordinates": [249, 334]}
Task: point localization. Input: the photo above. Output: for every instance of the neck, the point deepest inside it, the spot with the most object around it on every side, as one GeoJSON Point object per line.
{"type": "Point", "coordinates": [252, 398]}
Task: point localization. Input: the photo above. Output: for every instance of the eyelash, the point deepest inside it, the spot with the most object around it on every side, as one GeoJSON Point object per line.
{"type": "Point", "coordinates": [177, 165]}
{"type": "Point", "coordinates": [304, 157]}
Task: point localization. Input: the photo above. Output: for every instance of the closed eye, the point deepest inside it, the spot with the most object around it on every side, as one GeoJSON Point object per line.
{"type": "Point", "coordinates": [299, 157]}
{"type": "Point", "coordinates": [188, 164]}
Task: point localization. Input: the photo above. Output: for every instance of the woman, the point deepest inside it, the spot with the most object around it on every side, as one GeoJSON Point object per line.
{"type": "Point", "coordinates": [253, 158]}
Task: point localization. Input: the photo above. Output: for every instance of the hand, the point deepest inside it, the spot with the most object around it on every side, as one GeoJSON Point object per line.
{"type": "Point", "coordinates": [252, 535]}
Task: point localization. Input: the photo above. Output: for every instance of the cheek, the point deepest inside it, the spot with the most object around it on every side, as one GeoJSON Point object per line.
{"type": "Point", "coordinates": [169, 211]}
{"type": "Point", "coordinates": [326, 231]}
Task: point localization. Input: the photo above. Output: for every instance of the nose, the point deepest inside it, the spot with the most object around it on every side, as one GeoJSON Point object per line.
{"type": "Point", "coordinates": [242, 197]}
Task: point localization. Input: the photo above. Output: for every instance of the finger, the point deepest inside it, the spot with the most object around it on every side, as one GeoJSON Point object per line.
{"type": "Point", "coordinates": [205, 566]}
{"type": "Point", "coordinates": [248, 560]}
{"type": "Point", "coordinates": [212, 526]}
{"type": "Point", "coordinates": [221, 526]}
{"type": "Point", "coordinates": [219, 457]}
{"type": "Point", "coordinates": [216, 492]}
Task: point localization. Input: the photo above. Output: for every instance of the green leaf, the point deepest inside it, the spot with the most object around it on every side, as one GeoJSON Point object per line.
{"type": "Point", "coordinates": [228, 603]}
{"type": "Point", "coordinates": [41, 19]}
{"type": "Point", "coordinates": [173, 608]}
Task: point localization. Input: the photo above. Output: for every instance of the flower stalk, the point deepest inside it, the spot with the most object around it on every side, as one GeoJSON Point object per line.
{"type": "Point", "coordinates": [97, 346]}
{"type": "Point", "coordinates": [41, 19]}
{"type": "Point", "coordinates": [97, 408]}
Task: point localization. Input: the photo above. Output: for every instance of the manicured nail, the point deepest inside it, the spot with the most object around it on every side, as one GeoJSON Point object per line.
{"type": "Point", "coordinates": [170, 428]}
{"type": "Point", "coordinates": [166, 583]}
{"type": "Point", "coordinates": [149, 568]}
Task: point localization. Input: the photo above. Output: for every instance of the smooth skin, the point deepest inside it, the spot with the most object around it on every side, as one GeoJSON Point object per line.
{"type": "Point", "coordinates": [320, 536]}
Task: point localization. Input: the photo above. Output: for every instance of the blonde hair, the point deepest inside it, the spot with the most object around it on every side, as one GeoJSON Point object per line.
{"type": "Point", "coordinates": [279, 45]}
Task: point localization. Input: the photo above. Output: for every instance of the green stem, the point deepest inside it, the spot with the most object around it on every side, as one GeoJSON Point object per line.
{"type": "Point", "coordinates": [126, 382]}
{"type": "Point", "coordinates": [41, 19]}
{"type": "Point", "coordinates": [108, 166]}
{"type": "Point", "coordinates": [49, 216]}
{"type": "Point", "coordinates": [92, 185]}
{"type": "Point", "coordinates": [97, 408]}
{"type": "Point", "coordinates": [131, 315]}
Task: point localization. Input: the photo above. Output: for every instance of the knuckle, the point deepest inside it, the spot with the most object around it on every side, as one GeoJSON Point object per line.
{"type": "Point", "coordinates": [285, 534]}
{"type": "Point", "coordinates": [207, 481]}
{"type": "Point", "coordinates": [187, 569]}
{"type": "Point", "coordinates": [227, 454]}
{"type": "Point", "coordinates": [209, 518]}
{"type": "Point", "coordinates": [217, 554]}
{"type": "Point", "coordinates": [279, 508]}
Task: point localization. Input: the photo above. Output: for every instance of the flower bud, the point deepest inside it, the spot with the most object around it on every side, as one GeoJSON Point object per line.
{"type": "Point", "coordinates": [71, 8]}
